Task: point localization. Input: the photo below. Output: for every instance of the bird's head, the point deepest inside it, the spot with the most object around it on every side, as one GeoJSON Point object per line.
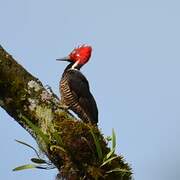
{"type": "Point", "coordinates": [79, 56]}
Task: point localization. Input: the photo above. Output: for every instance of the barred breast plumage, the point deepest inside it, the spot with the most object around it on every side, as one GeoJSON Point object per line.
{"type": "Point", "coordinates": [75, 94]}
{"type": "Point", "coordinates": [74, 87]}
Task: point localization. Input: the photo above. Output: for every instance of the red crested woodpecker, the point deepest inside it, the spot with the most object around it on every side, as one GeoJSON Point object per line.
{"type": "Point", "coordinates": [74, 87]}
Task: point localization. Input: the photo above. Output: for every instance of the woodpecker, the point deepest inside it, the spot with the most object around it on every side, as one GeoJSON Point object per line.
{"type": "Point", "coordinates": [74, 87]}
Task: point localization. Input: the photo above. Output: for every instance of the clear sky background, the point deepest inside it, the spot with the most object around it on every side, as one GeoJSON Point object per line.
{"type": "Point", "coordinates": [134, 75]}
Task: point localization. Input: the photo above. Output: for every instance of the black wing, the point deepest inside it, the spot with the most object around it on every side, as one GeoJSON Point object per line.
{"type": "Point", "coordinates": [80, 87]}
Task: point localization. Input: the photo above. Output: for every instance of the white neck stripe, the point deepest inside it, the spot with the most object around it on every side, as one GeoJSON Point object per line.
{"type": "Point", "coordinates": [74, 65]}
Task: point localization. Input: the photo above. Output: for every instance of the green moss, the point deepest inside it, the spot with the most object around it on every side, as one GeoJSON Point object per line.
{"type": "Point", "coordinates": [80, 151]}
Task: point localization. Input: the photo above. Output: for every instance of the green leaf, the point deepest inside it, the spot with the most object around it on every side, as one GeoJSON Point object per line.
{"type": "Point", "coordinates": [24, 167]}
{"type": "Point", "coordinates": [118, 170]}
{"type": "Point", "coordinates": [111, 152]}
{"type": "Point", "coordinates": [38, 161]}
{"type": "Point", "coordinates": [37, 130]}
{"type": "Point", "coordinates": [109, 155]}
{"type": "Point", "coordinates": [23, 143]}
{"type": "Point", "coordinates": [113, 139]}
{"type": "Point", "coordinates": [108, 160]}
{"type": "Point", "coordinates": [97, 144]}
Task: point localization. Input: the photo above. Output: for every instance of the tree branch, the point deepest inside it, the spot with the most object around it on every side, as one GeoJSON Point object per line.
{"type": "Point", "coordinates": [73, 146]}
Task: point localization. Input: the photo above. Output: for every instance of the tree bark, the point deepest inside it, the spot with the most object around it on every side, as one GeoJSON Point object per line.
{"type": "Point", "coordinates": [70, 144]}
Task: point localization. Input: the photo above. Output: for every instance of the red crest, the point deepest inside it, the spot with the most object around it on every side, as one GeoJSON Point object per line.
{"type": "Point", "coordinates": [81, 54]}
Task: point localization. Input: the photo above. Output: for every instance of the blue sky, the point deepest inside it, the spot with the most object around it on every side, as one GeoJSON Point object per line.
{"type": "Point", "coordinates": [134, 75]}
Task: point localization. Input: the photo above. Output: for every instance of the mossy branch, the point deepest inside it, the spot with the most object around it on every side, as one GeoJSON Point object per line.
{"type": "Point", "coordinates": [69, 144]}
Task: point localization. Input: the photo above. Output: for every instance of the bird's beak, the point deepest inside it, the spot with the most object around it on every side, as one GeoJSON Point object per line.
{"type": "Point", "coordinates": [63, 59]}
